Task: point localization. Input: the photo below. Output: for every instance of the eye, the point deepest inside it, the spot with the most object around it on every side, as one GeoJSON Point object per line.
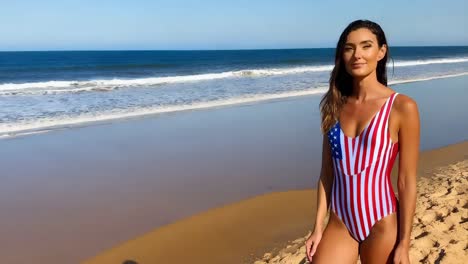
{"type": "Point", "coordinates": [367, 46]}
{"type": "Point", "coordinates": [347, 48]}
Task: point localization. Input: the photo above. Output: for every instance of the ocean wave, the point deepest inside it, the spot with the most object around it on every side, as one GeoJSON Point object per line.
{"type": "Point", "coordinates": [117, 83]}
{"type": "Point", "coordinates": [111, 84]}
{"type": "Point", "coordinates": [58, 122]}
{"type": "Point", "coordinates": [409, 63]}
{"type": "Point", "coordinates": [435, 77]}
{"type": "Point", "coordinates": [53, 123]}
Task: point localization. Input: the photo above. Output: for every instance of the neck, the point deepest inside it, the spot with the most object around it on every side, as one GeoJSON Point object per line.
{"type": "Point", "coordinates": [363, 87]}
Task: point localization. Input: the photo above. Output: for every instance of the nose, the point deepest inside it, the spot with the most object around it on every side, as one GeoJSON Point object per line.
{"type": "Point", "coordinates": [357, 53]}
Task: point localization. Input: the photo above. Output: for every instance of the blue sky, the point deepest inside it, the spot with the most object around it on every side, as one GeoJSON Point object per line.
{"type": "Point", "coordinates": [221, 24]}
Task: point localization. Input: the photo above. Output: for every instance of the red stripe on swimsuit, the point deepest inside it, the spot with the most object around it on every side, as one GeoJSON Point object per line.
{"type": "Point", "coordinates": [362, 192]}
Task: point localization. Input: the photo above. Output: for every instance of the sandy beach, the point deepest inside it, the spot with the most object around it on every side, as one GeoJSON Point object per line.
{"type": "Point", "coordinates": [272, 228]}
{"type": "Point", "coordinates": [223, 185]}
{"type": "Point", "coordinates": [174, 132]}
{"type": "Point", "coordinates": [440, 230]}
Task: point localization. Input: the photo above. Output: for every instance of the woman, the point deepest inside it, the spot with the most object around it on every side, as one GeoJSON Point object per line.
{"type": "Point", "coordinates": [365, 125]}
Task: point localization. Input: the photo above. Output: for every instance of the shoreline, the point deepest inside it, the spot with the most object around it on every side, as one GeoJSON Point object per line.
{"type": "Point", "coordinates": [242, 232]}
{"type": "Point", "coordinates": [107, 119]}
{"type": "Point", "coordinates": [91, 188]}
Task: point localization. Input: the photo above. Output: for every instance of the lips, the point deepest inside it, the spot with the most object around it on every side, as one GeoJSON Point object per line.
{"type": "Point", "coordinates": [357, 65]}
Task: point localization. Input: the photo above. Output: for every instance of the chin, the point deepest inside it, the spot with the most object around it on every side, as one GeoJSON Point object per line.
{"type": "Point", "coordinates": [359, 73]}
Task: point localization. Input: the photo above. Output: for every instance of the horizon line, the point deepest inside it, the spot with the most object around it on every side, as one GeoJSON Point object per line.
{"type": "Point", "coordinates": [240, 49]}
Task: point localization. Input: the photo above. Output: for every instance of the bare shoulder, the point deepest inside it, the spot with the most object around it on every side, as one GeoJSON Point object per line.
{"type": "Point", "coordinates": [406, 108]}
{"type": "Point", "coordinates": [405, 104]}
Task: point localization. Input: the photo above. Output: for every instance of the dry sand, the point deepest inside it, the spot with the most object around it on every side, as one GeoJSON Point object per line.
{"type": "Point", "coordinates": [440, 230]}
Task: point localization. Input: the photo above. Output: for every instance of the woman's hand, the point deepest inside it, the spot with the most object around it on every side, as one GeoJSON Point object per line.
{"type": "Point", "coordinates": [401, 254]}
{"type": "Point", "coordinates": [312, 243]}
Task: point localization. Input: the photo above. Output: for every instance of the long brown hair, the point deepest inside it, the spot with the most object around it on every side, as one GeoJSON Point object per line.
{"type": "Point", "coordinates": [341, 82]}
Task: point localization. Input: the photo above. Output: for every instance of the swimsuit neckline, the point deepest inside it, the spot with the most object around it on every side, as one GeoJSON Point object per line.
{"type": "Point", "coordinates": [368, 123]}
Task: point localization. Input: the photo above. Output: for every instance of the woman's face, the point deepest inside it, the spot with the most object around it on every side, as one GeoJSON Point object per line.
{"type": "Point", "coordinates": [362, 52]}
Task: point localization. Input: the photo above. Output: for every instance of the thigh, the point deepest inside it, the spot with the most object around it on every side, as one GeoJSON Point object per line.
{"type": "Point", "coordinates": [378, 247]}
{"type": "Point", "coordinates": [337, 245]}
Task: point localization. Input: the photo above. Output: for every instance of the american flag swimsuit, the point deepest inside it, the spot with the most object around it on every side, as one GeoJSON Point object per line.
{"type": "Point", "coordinates": [362, 192]}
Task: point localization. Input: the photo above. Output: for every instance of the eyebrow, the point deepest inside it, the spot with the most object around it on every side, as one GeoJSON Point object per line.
{"type": "Point", "coordinates": [362, 42]}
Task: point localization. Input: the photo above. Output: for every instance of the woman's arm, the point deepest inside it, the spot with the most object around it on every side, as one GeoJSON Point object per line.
{"type": "Point", "coordinates": [324, 185]}
{"type": "Point", "coordinates": [408, 138]}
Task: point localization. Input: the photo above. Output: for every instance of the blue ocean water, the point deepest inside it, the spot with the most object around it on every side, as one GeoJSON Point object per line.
{"type": "Point", "coordinates": [40, 91]}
